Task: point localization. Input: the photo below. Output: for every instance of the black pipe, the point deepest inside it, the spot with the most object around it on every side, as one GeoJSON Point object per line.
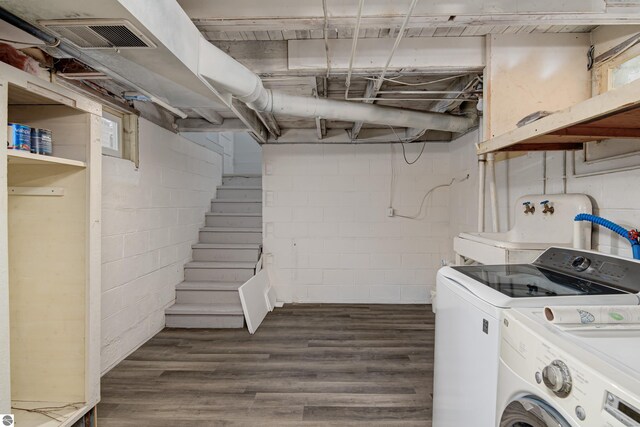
{"type": "Point", "coordinates": [25, 26]}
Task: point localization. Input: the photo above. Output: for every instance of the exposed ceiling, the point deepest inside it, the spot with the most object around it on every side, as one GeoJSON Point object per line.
{"type": "Point", "coordinates": [305, 47]}
{"type": "Point", "coordinates": [259, 35]}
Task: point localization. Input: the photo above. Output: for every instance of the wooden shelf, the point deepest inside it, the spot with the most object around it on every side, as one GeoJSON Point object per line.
{"type": "Point", "coordinates": [68, 413]}
{"type": "Point", "coordinates": [19, 157]}
{"type": "Point", "coordinates": [614, 114]}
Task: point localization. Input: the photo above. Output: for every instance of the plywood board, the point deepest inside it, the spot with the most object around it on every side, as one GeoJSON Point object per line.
{"type": "Point", "coordinates": [253, 296]}
{"type": "Point", "coordinates": [47, 284]}
{"type": "Point", "coordinates": [612, 114]}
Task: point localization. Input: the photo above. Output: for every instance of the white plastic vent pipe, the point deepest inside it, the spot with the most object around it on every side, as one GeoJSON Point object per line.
{"type": "Point", "coordinates": [221, 71]}
{"type": "Point", "coordinates": [493, 192]}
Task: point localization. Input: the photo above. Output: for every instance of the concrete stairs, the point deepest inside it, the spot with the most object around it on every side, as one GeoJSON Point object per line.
{"type": "Point", "coordinates": [223, 259]}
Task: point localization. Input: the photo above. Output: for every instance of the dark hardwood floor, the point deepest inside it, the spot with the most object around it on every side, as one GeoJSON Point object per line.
{"type": "Point", "coordinates": [308, 364]}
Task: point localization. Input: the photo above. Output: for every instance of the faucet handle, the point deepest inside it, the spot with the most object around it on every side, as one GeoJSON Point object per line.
{"type": "Point", "coordinates": [528, 208]}
{"type": "Point", "coordinates": [544, 202]}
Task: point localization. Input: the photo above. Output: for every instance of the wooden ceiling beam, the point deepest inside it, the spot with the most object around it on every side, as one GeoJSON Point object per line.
{"type": "Point", "coordinates": [384, 22]}
{"type": "Point", "coordinates": [369, 92]}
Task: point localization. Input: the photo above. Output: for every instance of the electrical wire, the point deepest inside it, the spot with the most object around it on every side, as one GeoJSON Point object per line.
{"type": "Point", "coordinates": [393, 80]}
{"type": "Point", "coordinates": [419, 213]}
{"type": "Point", "coordinates": [401, 141]}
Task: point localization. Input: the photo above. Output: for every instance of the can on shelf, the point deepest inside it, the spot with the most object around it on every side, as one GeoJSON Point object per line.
{"type": "Point", "coordinates": [18, 137]}
{"type": "Point", "coordinates": [41, 141]}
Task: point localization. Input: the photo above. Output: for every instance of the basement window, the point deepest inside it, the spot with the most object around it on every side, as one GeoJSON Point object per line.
{"type": "Point", "coordinates": [612, 155]}
{"type": "Point", "coordinates": [119, 134]}
{"type": "Point", "coordinates": [111, 134]}
{"type": "Point", "coordinates": [625, 73]}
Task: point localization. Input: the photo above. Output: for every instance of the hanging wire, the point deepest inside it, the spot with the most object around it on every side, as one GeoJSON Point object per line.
{"type": "Point", "coordinates": [393, 80]}
{"type": "Point", "coordinates": [419, 213]}
{"type": "Point", "coordinates": [401, 141]}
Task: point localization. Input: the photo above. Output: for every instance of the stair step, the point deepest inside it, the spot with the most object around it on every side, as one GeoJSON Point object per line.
{"type": "Point", "coordinates": [226, 246]}
{"type": "Point", "coordinates": [232, 229]}
{"type": "Point", "coordinates": [225, 252]}
{"type": "Point", "coordinates": [239, 180]}
{"type": "Point", "coordinates": [214, 293]}
{"type": "Point", "coordinates": [240, 187]}
{"type": "Point", "coordinates": [230, 214]}
{"type": "Point", "coordinates": [237, 200]}
{"type": "Point", "coordinates": [220, 264]}
{"type": "Point", "coordinates": [236, 206]}
{"type": "Point", "coordinates": [218, 271]}
{"type": "Point", "coordinates": [209, 286]}
{"type": "Point", "coordinates": [233, 219]}
{"type": "Point", "coordinates": [246, 235]}
{"type": "Point", "coordinates": [238, 193]}
{"type": "Point", "coordinates": [204, 316]}
{"type": "Point", "coordinates": [204, 309]}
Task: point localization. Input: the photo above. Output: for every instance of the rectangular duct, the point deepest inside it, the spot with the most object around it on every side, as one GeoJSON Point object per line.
{"type": "Point", "coordinates": [99, 33]}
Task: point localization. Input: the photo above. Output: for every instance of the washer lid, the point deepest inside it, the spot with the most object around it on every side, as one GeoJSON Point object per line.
{"type": "Point", "coordinates": [528, 281]}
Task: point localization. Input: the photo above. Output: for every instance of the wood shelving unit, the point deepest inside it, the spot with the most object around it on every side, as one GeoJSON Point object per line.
{"type": "Point", "coordinates": [17, 157]}
{"type": "Point", "coordinates": [50, 257]}
{"type": "Point", "coordinates": [614, 114]}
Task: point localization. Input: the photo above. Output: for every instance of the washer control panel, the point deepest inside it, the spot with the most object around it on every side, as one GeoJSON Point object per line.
{"type": "Point", "coordinates": [557, 378]}
{"type": "Point", "coordinates": [581, 387]}
{"type": "Point", "coordinates": [622, 411]}
{"type": "Point", "coordinates": [601, 268]}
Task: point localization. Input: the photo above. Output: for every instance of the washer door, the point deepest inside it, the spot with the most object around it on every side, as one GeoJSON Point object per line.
{"type": "Point", "coordinates": [530, 411]}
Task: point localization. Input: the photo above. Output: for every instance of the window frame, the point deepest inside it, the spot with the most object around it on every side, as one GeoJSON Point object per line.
{"type": "Point", "coordinates": [114, 116]}
{"type": "Point", "coordinates": [128, 134]}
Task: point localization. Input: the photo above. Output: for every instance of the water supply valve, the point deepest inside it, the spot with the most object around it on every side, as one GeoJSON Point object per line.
{"type": "Point", "coordinates": [547, 209]}
{"type": "Point", "coordinates": [528, 208]}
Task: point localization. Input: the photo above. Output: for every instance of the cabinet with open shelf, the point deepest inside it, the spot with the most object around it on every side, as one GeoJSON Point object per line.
{"type": "Point", "coordinates": [50, 263]}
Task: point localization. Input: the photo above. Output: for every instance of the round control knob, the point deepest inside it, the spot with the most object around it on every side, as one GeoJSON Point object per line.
{"type": "Point", "coordinates": [581, 263]}
{"type": "Point", "coordinates": [557, 378]}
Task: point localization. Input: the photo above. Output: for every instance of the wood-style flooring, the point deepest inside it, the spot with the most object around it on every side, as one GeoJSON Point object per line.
{"type": "Point", "coordinates": [308, 365]}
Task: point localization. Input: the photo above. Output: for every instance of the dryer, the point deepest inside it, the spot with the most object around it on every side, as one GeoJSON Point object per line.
{"type": "Point", "coordinates": [471, 302]}
{"type": "Point", "coordinates": [582, 376]}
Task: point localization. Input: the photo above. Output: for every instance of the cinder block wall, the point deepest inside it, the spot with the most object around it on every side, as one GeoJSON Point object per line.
{"type": "Point", "coordinates": [326, 224]}
{"type": "Point", "coordinates": [150, 219]}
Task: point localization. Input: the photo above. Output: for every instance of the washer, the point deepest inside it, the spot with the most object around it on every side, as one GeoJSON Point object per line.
{"type": "Point", "coordinates": [582, 376]}
{"type": "Point", "coordinates": [471, 302]}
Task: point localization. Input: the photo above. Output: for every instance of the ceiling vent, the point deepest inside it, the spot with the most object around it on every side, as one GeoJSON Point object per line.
{"type": "Point", "coordinates": [99, 33]}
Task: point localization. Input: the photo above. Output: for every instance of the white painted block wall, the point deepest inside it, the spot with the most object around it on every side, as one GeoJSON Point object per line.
{"type": "Point", "coordinates": [247, 154]}
{"type": "Point", "coordinates": [325, 222]}
{"type": "Point", "coordinates": [463, 204]}
{"type": "Point", "coordinates": [614, 195]}
{"type": "Point", "coordinates": [151, 216]}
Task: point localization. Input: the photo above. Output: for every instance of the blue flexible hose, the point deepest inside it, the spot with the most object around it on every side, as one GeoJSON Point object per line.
{"type": "Point", "coordinates": [635, 245]}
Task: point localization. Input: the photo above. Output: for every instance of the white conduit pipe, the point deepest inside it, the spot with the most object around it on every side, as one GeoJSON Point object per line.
{"type": "Point", "coordinates": [225, 73]}
{"type": "Point", "coordinates": [493, 194]}
{"type": "Point", "coordinates": [482, 162]}
{"type": "Point", "coordinates": [301, 106]}
{"type": "Point", "coordinates": [354, 45]}
{"type": "Point", "coordinates": [403, 27]}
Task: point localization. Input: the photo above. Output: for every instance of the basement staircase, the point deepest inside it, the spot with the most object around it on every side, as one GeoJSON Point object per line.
{"type": "Point", "coordinates": [223, 260]}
